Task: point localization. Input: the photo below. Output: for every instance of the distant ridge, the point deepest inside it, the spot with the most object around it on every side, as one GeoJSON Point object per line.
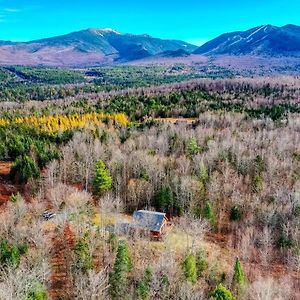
{"type": "Point", "coordinates": [264, 40]}
{"type": "Point", "coordinates": [88, 47]}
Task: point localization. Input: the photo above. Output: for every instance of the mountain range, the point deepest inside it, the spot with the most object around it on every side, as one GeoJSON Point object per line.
{"type": "Point", "coordinates": [94, 46]}
{"type": "Point", "coordinates": [266, 40]}
{"type": "Point", "coordinates": [88, 47]}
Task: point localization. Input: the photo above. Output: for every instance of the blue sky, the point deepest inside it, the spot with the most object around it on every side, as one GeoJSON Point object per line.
{"type": "Point", "coordinates": [191, 20]}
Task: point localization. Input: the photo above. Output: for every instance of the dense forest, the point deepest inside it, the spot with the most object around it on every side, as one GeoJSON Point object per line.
{"type": "Point", "coordinates": [220, 157]}
{"type": "Point", "coordinates": [20, 84]}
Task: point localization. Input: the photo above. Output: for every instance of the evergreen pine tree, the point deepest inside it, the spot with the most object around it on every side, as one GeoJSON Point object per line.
{"type": "Point", "coordinates": [118, 278]}
{"type": "Point", "coordinates": [144, 286]}
{"type": "Point", "coordinates": [193, 148]}
{"type": "Point", "coordinates": [239, 278]}
{"type": "Point", "coordinates": [208, 213]}
{"type": "Point", "coordinates": [221, 293]}
{"type": "Point", "coordinates": [189, 268]}
{"type": "Point", "coordinates": [102, 180]}
{"type": "Point", "coordinates": [24, 168]}
{"type": "Point", "coordinates": [10, 254]}
{"type": "Point", "coordinates": [164, 199]}
{"type": "Point", "coordinates": [84, 260]}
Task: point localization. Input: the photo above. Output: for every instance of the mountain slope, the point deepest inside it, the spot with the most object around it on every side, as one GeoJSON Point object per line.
{"type": "Point", "coordinates": [87, 47]}
{"type": "Point", "coordinates": [263, 40]}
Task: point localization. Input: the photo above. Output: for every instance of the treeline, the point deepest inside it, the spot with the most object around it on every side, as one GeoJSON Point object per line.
{"type": "Point", "coordinates": [142, 76]}
{"type": "Point", "coordinates": [190, 104]}
{"type": "Point", "coordinates": [22, 92]}
{"type": "Point", "coordinates": [48, 75]}
{"type": "Point", "coordinates": [26, 83]}
{"type": "Point", "coordinates": [39, 83]}
{"type": "Point", "coordinates": [256, 97]}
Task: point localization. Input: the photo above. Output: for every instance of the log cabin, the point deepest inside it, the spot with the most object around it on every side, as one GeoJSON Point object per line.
{"type": "Point", "coordinates": [155, 223]}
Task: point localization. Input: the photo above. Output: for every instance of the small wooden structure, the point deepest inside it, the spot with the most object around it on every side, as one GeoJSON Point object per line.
{"type": "Point", "coordinates": [155, 223]}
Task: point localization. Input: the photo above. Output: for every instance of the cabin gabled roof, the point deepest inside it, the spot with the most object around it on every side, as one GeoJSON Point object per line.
{"type": "Point", "coordinates": [149, 220]}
